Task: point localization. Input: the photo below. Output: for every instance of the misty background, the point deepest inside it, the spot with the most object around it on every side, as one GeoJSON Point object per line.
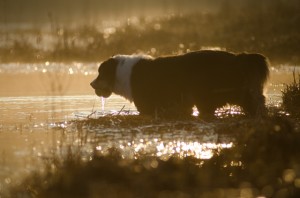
{"type": "Point", "coordinates": [92, 30]}
{"type": "Point", "coordinates": [77, 12]}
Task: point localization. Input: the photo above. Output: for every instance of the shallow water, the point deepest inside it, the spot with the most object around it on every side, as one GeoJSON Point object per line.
{"type": "Point", "coordinates": [38, 101]}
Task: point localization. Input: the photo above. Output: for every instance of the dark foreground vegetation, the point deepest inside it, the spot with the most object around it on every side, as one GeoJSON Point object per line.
{"type": "Point", "coordinates": [291, 97]}
{"type": "Point", "coordinates": [264, 161]}
{"type": "Point", "coordinates": [269, 27]}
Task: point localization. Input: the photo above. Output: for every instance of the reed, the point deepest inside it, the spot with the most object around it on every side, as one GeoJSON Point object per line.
{"type": "Point", "coordinates": [291, 97]}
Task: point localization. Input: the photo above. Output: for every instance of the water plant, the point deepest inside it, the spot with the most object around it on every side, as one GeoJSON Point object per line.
{"type": "Point", "coordinates": [291, 97]}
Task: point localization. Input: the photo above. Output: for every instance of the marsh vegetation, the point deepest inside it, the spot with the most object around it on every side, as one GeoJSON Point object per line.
{"type": "Point", "coordinates": [235, 157]}
{"type": "Point", "coordinates": [269, 28]}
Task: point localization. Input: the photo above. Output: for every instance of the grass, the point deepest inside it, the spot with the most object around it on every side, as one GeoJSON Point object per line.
{"type": "Point", "coordinates": [291, 97]}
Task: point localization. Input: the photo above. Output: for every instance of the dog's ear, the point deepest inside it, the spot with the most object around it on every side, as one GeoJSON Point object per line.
{"type": "Point", "coordinates": [109, 67]}
{"type": "Point", "coordinates": [111, 60]}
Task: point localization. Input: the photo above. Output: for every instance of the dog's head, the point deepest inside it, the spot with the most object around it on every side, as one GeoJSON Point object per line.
{"type": "Point", "coordinates": [104, 83]}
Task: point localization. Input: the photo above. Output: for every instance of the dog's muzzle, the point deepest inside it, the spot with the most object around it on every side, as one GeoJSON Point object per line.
{"type": "Point", "coordinates": [101, 89]}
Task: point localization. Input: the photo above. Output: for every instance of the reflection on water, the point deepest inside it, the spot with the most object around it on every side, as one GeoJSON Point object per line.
{"type": "Point", "coordinates": [73, 68]}
{"type": "Point", "coordinates": [34, 128]}
{"type": "Point", "coordinates": [39, 109]}
{"type": "Point", "coordinates": [162, 139]}
{"type": "Point", "coordinates": [165, 149]}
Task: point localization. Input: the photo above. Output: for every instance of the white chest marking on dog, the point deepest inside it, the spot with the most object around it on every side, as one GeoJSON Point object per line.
{"type": "Point", "coordinates": [123, 74]}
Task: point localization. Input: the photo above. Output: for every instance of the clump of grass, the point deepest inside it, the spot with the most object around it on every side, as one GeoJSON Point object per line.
{"type": "Point", "coordinates": [291, 97]}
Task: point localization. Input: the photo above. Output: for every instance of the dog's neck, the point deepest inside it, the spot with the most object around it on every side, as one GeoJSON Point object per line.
{"type": "Point", "coordinates": [123, 74]}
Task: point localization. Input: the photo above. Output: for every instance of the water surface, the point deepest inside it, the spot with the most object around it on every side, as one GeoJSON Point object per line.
{"type": "Point", "coordinates": [38, 103]}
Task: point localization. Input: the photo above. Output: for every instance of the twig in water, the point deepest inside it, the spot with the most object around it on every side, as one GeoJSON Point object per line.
{"type": "Point", "coordinates": [93, 111]}
{"type": "Point", "coordinates": [121, 110]}
{"type": "Point", "coordinates": [88, 117]}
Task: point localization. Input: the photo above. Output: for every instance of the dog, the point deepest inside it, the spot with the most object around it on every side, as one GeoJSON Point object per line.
{"type": "Point", "coordinates": [172, 85]}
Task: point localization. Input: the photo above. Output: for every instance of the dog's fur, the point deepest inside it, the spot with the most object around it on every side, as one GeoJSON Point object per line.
{"type": "Point", "coordinates": [172, 85]}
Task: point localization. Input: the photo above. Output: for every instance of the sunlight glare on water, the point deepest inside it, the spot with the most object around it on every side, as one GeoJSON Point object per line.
{"type": "Point", "coordinates": [162, 139]}
{"type": "Point", "coordinates": [73, 68]}
{"type": "Point", "coordinates": [165, 149]}
{"type": "Point", "coordinates": [194, 149]}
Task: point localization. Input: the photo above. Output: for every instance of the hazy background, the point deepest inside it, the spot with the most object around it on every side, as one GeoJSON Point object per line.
{"type": "Point", "coordinates": [77, 12]}
{"type": "Point", "coordinates": [91, 30]}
